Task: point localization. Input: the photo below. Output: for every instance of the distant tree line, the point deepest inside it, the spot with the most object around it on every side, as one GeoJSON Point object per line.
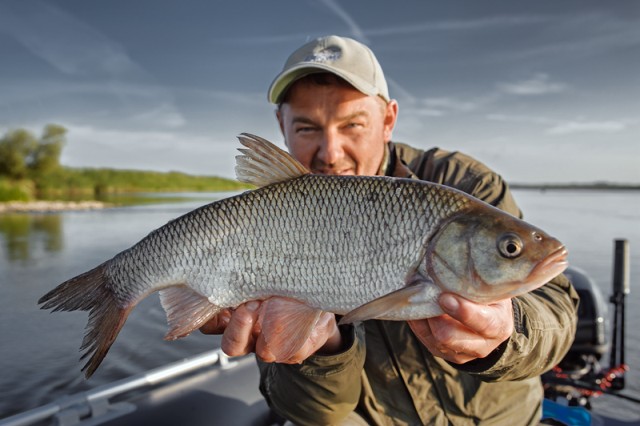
{"type": "Point", "coordinates": [30, 169]}
{"type": "Point", "coordinates": [23, 155]}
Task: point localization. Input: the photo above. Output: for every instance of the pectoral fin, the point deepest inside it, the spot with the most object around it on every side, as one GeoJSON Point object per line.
{"type": "Point", "coordinates": [186, 310]}
{"type": "Point", "coordinates": [286, 325]}
{"type": "Point", "coordinates": [420, 291]}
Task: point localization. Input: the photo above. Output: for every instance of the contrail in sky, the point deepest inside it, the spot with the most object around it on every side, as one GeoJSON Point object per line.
{"type": "Point", "coordinates": [354, 28]}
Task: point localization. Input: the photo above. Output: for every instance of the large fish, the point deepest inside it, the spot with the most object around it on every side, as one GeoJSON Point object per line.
{"type": "Point", "coordinates": [362, 247]}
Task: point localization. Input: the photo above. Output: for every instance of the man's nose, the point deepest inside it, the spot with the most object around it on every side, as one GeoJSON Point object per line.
{"type": "Point", "coordinates": [331, 149]}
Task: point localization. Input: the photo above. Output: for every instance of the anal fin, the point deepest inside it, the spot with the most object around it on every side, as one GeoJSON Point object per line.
{"type": "Point", "coordinates": [286, 325]}
{"type": "Point", "coordinates": [186, 310]}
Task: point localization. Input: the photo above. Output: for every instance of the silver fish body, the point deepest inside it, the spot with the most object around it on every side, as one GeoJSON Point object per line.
{"type": "Point", "coordinates": [364, 247]}
{"type": "Point", "coordinates": [332, 242]}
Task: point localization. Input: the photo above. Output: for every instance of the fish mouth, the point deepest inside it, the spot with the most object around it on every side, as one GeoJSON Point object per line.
{"type": "Point", "coordinates": [551, 266]}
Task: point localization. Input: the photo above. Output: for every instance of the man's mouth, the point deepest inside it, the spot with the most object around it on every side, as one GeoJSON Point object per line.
{"type": "Point", "coordinates": [342, 172]}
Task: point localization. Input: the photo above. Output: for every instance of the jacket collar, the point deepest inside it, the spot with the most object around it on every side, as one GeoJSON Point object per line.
{"type": "Point", "coordinates": [392, 165]}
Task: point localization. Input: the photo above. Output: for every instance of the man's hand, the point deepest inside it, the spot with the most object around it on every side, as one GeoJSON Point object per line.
{"type": "Point", "coordinates": [467, 330]}
{"type": "Point", "coordinates": [242, 334]}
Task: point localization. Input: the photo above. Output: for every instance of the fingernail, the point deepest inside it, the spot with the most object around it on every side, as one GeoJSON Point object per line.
{"type": "Point", "coordinates": [252, 306]}
{"type": "Point", "coordinates": [268, 357]}
{"type": "Point", "coordinates": [449, 303]}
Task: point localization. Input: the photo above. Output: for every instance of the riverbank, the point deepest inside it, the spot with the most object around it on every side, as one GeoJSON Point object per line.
{"type": "Point", "coordinates": [68, 183]}
{"type": "Point", "coordinates": [49, 206]}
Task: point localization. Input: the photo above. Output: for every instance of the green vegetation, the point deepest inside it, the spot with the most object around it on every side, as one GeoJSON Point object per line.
{"type": "Point", "coordinates": [30, 170]}
{"type": "Point", "coordinates": [16, 190]}
{"type": "Point", "coordinates": [574, 186]}
{"type": "Point", "coordinates": [22, 155]}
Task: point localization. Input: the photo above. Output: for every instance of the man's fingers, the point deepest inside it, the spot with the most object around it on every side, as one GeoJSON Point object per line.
{"type": "Point", "coordinates": [467, 330]}
{"type": "Point", "coordinates": [446, 338]}
{"type": "Point", "coordinates": [325, 331]}
{"type": "Point", "coordinates": [238, 338]}
{"type": "Point", "coordinates": [422, 330]}
{"type": "Point", "coordinates": [327, 338]}
{"type": "Point", "coordinates": [494, 321]}
{"type": "Point", "coordinates": [218, 323]}
{"type": "Point", "coordinates": [454, 340]}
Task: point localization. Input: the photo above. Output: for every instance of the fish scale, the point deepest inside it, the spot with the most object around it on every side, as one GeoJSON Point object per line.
{"type": "Point", "coordinates": [362, 247]}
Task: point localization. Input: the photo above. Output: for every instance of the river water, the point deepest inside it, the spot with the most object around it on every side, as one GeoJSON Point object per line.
{"type": "Point", "coordinates": [39, 350]}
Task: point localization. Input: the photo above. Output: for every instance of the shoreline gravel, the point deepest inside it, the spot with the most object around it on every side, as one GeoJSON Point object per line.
{"type": "Point", "coordinates": [49, 206]}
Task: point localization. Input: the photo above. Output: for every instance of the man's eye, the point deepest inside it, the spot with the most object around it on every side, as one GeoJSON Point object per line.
{"type": "Point", "coordinates": [304, 129]}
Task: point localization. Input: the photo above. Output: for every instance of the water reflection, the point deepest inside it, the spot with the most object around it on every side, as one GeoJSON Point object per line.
{"type": "Point", "coordinates": [23, 234]}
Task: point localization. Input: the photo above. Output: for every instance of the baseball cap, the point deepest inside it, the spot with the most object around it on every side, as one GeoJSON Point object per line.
{"type": "Point", "coordinates": [342, 56]}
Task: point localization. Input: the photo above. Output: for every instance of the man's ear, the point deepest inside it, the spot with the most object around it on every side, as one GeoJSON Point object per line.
{"type": "Point", "coordinates": [390, 118]}
{"type": "Point", "coordinates": [279, 118]}
{"type": "Point", "coordinates": [280, 121]}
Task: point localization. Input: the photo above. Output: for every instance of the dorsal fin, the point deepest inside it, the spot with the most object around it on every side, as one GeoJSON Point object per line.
{"type": "Point", "coordinates": [263, 163]}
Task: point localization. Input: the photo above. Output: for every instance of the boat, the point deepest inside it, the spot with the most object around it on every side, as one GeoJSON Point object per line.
{"type": "Point", "coordinates": [213, 389]}
{"type": "Point", "coordinates": [580, 377]}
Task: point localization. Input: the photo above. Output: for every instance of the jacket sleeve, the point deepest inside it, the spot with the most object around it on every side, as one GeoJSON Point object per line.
{"type": "Point", "coordinates": [545, 326]}
{"type": "Point", "coordinates": [322, 389]}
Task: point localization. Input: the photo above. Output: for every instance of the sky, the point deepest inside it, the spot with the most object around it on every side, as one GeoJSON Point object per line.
{"type": "Point", "coordinates": [540, 91]}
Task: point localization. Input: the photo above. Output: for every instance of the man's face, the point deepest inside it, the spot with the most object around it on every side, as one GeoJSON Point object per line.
{"type": "Point", "coordinates": [335, 129]}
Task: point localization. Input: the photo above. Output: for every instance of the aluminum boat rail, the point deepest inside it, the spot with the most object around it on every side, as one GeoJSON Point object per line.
{"type": "Point", "coordinates": [94, 406]}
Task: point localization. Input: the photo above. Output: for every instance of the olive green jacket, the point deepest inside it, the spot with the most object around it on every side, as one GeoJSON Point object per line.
{"type": "Point", "coordinates": [388, 377]}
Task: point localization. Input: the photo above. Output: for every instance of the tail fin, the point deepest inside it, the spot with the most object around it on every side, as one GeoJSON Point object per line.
{"type": "Point", "coordinates": [91, 292]}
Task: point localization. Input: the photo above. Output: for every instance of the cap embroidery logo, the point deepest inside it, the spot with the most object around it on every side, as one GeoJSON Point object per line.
{"type": "Point", "coordinates": [328, 54]}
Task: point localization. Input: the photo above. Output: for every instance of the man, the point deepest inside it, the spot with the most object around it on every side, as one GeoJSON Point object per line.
{"type": "Point", "coordinates": [475, 364]}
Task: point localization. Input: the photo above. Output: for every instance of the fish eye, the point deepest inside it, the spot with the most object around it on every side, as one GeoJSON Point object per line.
{"type": "Point", "coordinates": [510, 246]}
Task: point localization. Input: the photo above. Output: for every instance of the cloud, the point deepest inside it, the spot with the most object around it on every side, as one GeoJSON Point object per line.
{"type": "Point", "coordinates": [438, 107]}
{"type": "Point", "coordinates": [66, 43]}
{"type": "Point", "coordinates": [520, 118]}
{"type": "Point", "coordinates": [564, 127]}
{"type": "Point", "coordinates": [571, 127]}
{"type": "Point", "coordinates": [99, 66]}
{"type": "Point", "coordinates": [460, 25]}
{"type": "Point", "coordinates": [588, 34]}
{"type": "Point", "coordinates": [162, 150]}
{"type": "Point", "coordinates": [137, 104]}
{"type": "Point", "coordinates": [364, 35]}
{"type": "Point", "coordinates": [164, 114]}
{"type": "Point", "coordinates": [539, 84]}
{"type": "Point", "coordinates": [125, 140]}
{"type": "Point", "coordinates": [449, 104]}
{"type": "Point", "coordinates": [444, 106]}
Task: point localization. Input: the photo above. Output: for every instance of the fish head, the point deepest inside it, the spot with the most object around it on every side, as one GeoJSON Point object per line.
{"type": "Point", "coordinates": [487, 255]}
